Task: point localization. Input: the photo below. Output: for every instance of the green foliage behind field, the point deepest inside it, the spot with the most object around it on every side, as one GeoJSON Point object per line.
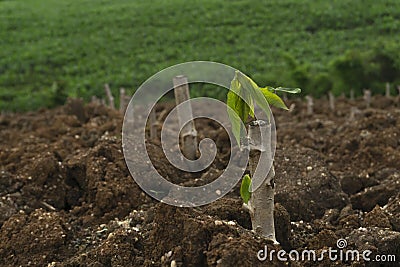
{"type": "Point", "coordinates": [52, 49]}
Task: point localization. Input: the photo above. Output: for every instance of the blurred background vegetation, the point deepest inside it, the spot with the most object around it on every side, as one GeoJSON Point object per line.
{"type": "Point", "coordinates": [51, 49]}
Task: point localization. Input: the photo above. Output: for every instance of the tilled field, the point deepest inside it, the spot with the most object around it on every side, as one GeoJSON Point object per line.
{"type": "Point", "coordinates": [67, 198]}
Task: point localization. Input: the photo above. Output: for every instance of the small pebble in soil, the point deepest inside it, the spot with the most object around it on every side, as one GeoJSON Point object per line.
{"type": "Point", "coordinates": [218, 223]}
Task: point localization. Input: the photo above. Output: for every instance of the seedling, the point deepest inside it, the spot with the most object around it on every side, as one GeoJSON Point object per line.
{"type": "Point", "coordinates": [242, 97]}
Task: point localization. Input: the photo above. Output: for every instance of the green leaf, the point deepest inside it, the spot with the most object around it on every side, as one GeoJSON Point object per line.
{"type": "Point", "coordinates": [244, 92]}
{"type": "Point", "coordinates": [245, 188]}
{"type": "Point", "coordinates": [254, 90]}
{"type": "Point", "coordinates": [238, 101]}
{"type": "Point", "coordinates": [273, 98]}
{"type": "Point", "coordinates": [236, 123]}
{"type": "Point", "coordinates": [287, 90]}
{"type": "Point", "coordinates": [235, 101]}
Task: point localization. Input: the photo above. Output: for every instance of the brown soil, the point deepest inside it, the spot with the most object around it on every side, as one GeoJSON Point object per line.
{"type": "Point", "coordinates": [67, 198]}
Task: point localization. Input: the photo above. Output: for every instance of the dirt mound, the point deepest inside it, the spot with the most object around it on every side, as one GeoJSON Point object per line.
{"type": "Point", "coordinates": [67, 198]}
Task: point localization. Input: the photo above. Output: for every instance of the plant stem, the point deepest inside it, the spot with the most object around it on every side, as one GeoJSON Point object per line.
{"type": "Point", "coordinates": [387, 91]}
{"type": "Point", "coordinates": [261, 204]}
{"type": "Point", "coordinates": [331, 101]}
{"type": "Point", "coordinates": [310, 105]}
{"type": "Point", "coordinates": [188, 133]}
{"type": "Point", "coordinates": [367, 97]}
{"type": "Point", "coordinates": [123, 100]}
{"type": "Point", "coordinates": [109, 96]}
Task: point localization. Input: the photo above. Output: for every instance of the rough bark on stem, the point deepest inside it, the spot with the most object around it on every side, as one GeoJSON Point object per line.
{"type": "Point", "coordinates": [261, 203]}
{"type": "Point", "coordinates": [109, 96]}
{"type": "Point", "coordinates": [188, 135]}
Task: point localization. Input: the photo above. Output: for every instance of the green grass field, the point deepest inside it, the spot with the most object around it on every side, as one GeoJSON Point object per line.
{"type": "Point", "coordinates": [50, 49]}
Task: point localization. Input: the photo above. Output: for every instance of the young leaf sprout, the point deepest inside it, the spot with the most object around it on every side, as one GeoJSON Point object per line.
{"type": "Point", "coordinates": [241, 99]}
